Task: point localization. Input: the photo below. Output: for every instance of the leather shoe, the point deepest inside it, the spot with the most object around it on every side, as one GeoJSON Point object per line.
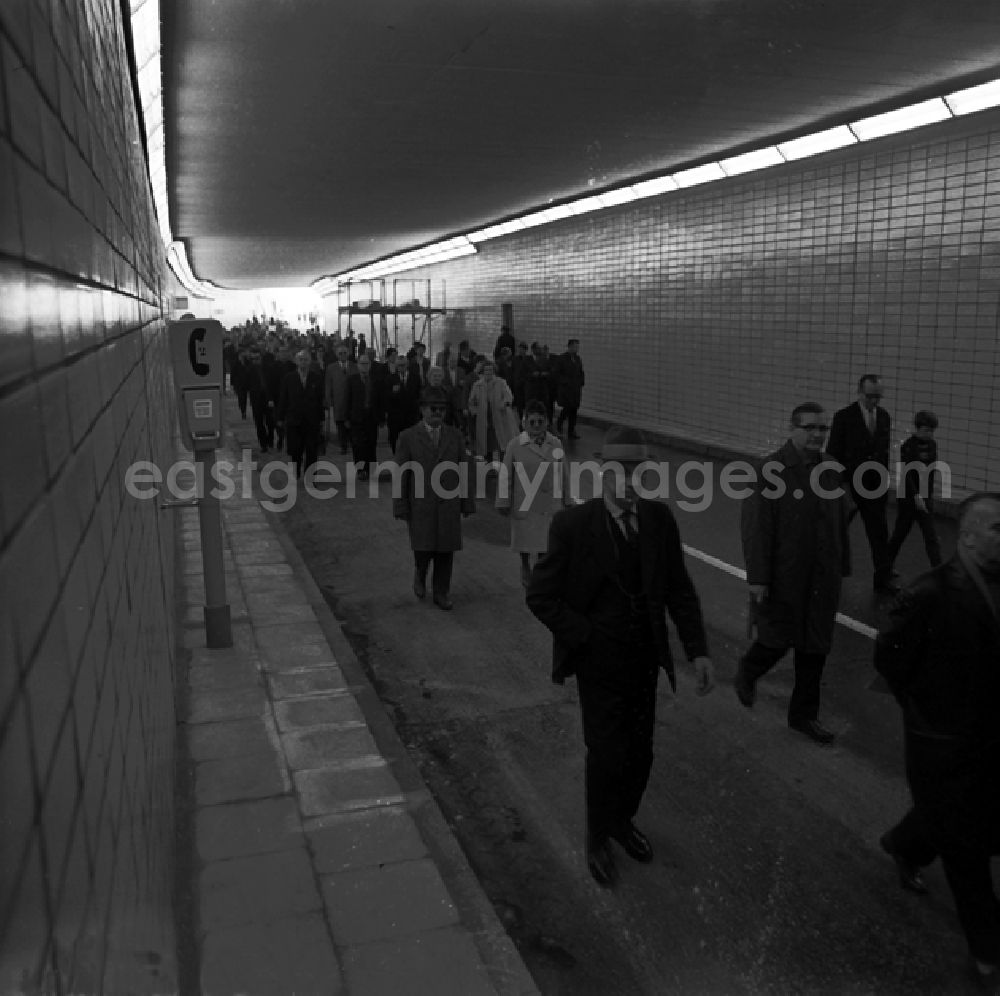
{"type": "Point", "coordinates": [635, 844]}
{"type": "Point", "coordinates": [746, 690]}
{"type": "Point", "coordinates": [444, 602]}
{"type": "Point", "coordinates": [814, 730]}
{"type": "Point", "coordinates": [419, 585]}
{"type": "Point", "coordinates": [601, 863]}
{"type": "Point", "coordinates": [909, 874]}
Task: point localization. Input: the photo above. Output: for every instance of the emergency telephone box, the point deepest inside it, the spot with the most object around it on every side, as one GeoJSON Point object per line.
{"type": "Point", "coordinates": [196, 351]}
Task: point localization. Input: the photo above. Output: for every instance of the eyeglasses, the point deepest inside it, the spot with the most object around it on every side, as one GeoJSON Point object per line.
{"type": "Point", "coordinates": [814, 427]}
{"type": "Point", "coordinates": [437, 409]}
{"type": "Point", "coordinates": [873, 397]}
{"type": "Point", "coordinates": [534, 421]}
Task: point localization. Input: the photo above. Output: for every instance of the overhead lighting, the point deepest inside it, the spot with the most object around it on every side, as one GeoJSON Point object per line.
{"type": "Point", "coordinates": [558, 212]}
{"type": "Point", "coordinates": [818, 142]}
{"type": "Point", "coordinates": [700, 174]}
{"type": "Point", "coordinates": [975, 98]}
{"type": "Point", "coordinates": [496, 231]}
{"type": "Point", "coordinates": [587, 204]}
{"type": "Point", "coordinates": [620, 195]}
{"type": "Point", "coordinates": [749, 161]}
{"type": "Point", "coordinates": [533, 219]}
{"type": "Point", "coordinates": [650, 188]}
{"type": "Point", "coordinates": [903, 119]}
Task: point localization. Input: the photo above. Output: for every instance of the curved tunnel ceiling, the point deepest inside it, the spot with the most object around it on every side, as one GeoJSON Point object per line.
{"type": "Point", "coordinates": [305, 137]}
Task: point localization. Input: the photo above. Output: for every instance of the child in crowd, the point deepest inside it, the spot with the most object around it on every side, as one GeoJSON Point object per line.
{"type": "Point", "coordinates": [916, 499]}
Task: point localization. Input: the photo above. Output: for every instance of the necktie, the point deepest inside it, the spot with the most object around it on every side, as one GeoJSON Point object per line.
{"type": "Point", "coordinates": [631, 533]}
{"type": "Point", "coordinates": [870, 420]}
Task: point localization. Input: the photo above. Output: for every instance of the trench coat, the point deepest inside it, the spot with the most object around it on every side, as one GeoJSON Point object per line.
{"type": "Point", "coordinates": [579, 560]}
{"type": "Point", "coordinates": [530, 521]}
{"type": "Point", "coordinates": [433, 513]}
{"type": "Point", "coordinates": [496, 396]}
{"type": "Point", "coordinates": [938, 655]}
{"type": "Point", "coordinates": [798, 547]}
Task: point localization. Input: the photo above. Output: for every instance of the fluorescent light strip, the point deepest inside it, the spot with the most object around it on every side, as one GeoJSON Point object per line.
{"type": "Point", "coordinates": [818, 142]}
{"type": "Point", "coordinates": [749, 161]}
{"type": "Point", "coordinates": [974, 98]}
{"type": "Point", "coordinates": [903, 119]}
{"type": "Point", "coordinates": [700, 174]}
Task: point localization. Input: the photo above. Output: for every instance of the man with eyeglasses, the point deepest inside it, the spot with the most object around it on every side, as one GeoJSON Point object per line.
{"type": "Point", "coordinates": [859, 439]}
{"type": "Point", "coordinates": [433, 501]}
{"type": "Point", "coordinates": [794, 530]}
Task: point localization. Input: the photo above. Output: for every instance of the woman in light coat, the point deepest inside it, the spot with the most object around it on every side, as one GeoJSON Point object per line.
{"type": "Point", "coordinates": [533, 486]}
{"type": "Point", "coordinates": [491, 410]}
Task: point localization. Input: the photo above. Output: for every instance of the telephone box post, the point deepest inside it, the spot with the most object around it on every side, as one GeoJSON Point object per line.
{"type": "Point", "coordinates": [196, 350]}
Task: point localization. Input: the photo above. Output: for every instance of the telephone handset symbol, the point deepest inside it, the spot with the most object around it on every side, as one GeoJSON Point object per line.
{"type": "Point", "coordinates": [198, 352]}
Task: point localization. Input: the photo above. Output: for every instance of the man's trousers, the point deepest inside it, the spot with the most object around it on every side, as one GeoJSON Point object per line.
{"type": "Point", "coordinates": [617, 686]}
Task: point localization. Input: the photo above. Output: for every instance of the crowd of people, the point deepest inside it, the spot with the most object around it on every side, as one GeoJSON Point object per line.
{"type": "Point", "coordinates": [603, 575]}
{"type": "Point", "coordinates": [305, 390]}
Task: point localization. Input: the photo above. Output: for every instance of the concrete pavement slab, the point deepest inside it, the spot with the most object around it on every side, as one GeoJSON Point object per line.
{"type": "Point", "coordinates": [392, 900]}
{"type": "Point", "coordinates": [248, 776]}
{"type": "Point", "coordinates": [443, 962]}
{"type": "Point", "coordinates": [258, 889]}
{"type": "Point", "coordinates": [226, 703]}
{"type": "Point", "coordinates": [308, 681]}
{"type": "Point", "coordinates": [238, 829]}
{"type": "Point", "coordinates": [328, 747]}
{"type": "Point", "coordinates": [297, 714]}
{"type": "Point", "coordinates": [290, 955]}
{"type": "Point", "coordinates": [334, 790]}
{"type": "Point", "coordinates": [231, 672]}
{"type": "Point", "coordinates": [210, 741]}
{"type": "Point", "coordinates": [360, 840]}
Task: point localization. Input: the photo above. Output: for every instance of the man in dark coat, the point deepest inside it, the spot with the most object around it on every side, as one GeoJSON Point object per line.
{"type": "Point", "coordinates": [505, 340]}
{"type": "Point", "coordinates": [939, 655]}
{"type": "Point", "coordinates": [300, 411]}
{"type": "Point", "coordinates": [433, 506]}
{"type": "Point", "coordinates": [861, 434]}
{"type": "Point", "coordinates": [400, 400]}
{"type": "Point", "coordinates": [363, 414]}
{"type": "Point", "coordinates": [569, 387]}
{"type": "Point", "coordinates": [794, 529]}
{"type": "Point", "coordinates": [613, 569]}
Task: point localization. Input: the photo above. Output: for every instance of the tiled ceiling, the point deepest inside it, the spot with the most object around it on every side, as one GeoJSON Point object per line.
{"type": "Point", "coordinates": [305, 137]}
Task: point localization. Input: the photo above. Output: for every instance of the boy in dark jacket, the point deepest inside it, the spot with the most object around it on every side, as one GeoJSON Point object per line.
{"type": "Point", "coordinates": [916, 502]}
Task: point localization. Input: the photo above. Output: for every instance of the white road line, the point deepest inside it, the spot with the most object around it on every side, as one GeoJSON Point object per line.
{"type": "Point", "coordinates": [737, 572]}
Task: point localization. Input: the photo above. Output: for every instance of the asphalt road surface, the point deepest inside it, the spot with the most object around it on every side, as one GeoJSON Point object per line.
{"type": "Point", "coordinates": [767, 877]}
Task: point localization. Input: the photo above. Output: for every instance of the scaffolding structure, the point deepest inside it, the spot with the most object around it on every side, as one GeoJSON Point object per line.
{"type": "Point", "coordinates": [410, 298]}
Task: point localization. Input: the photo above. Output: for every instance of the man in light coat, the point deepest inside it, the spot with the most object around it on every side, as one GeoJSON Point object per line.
{"type": "Point", "coordinates": [336, 394]}
{"type": "Point", "coordinates": [794, 529]}
{"type": "Point", "coordinates": [432, 496]}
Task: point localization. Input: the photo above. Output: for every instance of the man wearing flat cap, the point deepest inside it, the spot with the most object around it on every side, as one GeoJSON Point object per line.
{"type": "Point", "coordinates": [613, 569]}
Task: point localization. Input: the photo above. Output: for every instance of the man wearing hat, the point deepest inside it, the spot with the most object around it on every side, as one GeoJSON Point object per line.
{"type": "Point", "coordinates": [569, 387]}
{"type": "Point", "coordinates": [432, 504]}
{"type": "Point", "coordinates": [613, 569]}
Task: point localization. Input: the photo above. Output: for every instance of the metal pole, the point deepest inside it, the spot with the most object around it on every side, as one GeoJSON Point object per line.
{"type": "Point", "coordinates": [218, 627]}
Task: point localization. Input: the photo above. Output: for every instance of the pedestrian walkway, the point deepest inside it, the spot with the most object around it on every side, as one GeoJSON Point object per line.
{"type": "Point", "coordinates": [322, 864]}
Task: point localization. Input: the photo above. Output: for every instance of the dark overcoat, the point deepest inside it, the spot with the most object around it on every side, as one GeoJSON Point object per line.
{"type": "Point", "coordinates": [798, 547]}
{"type": "Point", "coordinates": [580, 559]}
{"type": "Point", "coordinates": [433, 507]}
{"type": "Point", "coordinates": [569, 380]}
{"type": "Point", "coordinates": [939, 656]}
